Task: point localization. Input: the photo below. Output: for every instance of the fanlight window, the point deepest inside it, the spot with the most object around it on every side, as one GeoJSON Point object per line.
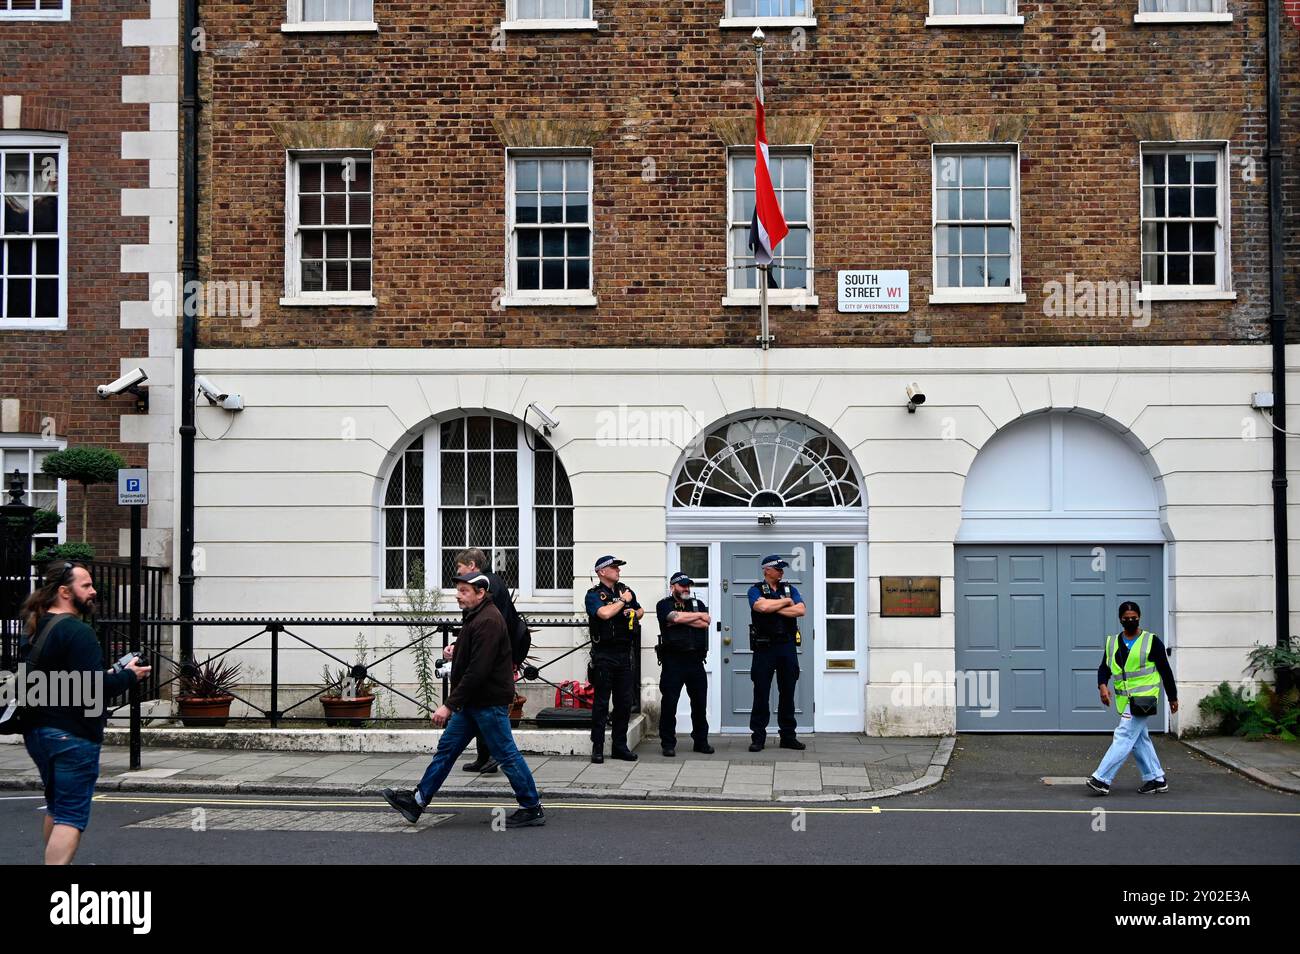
{"type": "Point", "coordinates": [767, 462]}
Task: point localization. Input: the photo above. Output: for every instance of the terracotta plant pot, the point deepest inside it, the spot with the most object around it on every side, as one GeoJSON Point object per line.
{"type": "Point", "coordinates": [517, 711]}
{"type": "Point", "coordinates": [204, 712]}
{"type": "Point", "coordinates": [340, 711]}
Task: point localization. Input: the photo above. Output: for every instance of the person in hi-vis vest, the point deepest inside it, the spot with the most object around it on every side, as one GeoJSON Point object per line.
{"type": "Point", "coordinates": [1136, 659]}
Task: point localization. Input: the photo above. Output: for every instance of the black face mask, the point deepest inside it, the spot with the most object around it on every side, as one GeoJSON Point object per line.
{"type": "Point", "coordinates": [1130, 625]}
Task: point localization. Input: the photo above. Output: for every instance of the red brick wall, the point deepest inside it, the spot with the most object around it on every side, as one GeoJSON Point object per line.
{"type": "Point", "coordinates": [69, 75]}
{"type": "Point", "coordinates": [660, 75]}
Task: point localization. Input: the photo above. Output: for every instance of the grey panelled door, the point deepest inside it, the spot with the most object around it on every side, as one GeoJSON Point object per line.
{"type": "Point", "coordinates": [1037, 616]}
{"type": "Point", "coordinates": [740, 571]}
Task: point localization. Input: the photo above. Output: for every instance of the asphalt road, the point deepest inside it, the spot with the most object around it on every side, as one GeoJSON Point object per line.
{"type": "Point", "coordinates": [992, 808]}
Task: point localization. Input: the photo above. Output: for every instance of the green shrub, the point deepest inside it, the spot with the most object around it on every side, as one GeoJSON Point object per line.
{"type": "Point", "coordinates": [87, 466]}
{"type": "Point", "coordinates": [73, 552]}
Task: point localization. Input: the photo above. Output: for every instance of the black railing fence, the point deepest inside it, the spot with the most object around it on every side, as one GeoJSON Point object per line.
{"type": "Point", "coordinates": [276, 635]}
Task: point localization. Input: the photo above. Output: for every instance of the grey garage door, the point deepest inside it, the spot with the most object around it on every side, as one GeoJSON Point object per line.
{"type": "Point", "coordinates": [1037, 617]}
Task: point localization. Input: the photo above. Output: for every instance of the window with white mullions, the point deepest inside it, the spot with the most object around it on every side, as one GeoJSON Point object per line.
{"type": "Point", "coordinates": [336, 11]}
{"type": "Point", "coordinates": [25, 453]}
{"type": "Point", "coordinates": [34, 9]}
{"type": "Point", "coordinates": [551, 223]}
{"type": "Point", "coordinates": [975, 216]}
{"type": "Point", "coordinates": [841, 600]}
{"type": "Point", "coordinates": [333, 225]}
{"type": "Point", "coordinates": [1183, 217]}
{"type": "Point", "coordinates": [791, 174]}
{"type": "Point", "coordinates": [694, 562]}
{"type": "Point", "coordinates": [476, 480]}
{"type": "Point", "coordinates": [1183, 6]}
{"type": "Point", "coordinates": [744, 9]}
{"type": "Point", "coordinates": [550, 9]}
{"type": "Point", "coordinates": [33, 224]}
{"type": "Point", "coordinates": [972, 8]}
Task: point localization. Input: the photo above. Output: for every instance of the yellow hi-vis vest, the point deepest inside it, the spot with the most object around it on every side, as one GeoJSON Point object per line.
{"type": "Point", "coordinates": [1138, 675]}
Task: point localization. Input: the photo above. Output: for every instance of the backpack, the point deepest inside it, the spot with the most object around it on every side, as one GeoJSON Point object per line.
{"type": "Point", "coordinates": [11, 713]}
{"type": "Point", "coordinates": [572, 694]}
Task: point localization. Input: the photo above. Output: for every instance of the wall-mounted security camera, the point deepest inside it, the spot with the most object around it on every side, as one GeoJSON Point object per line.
{"type": "Point", "coordinates": [549, 420]}
{"type": "Point", "coordinates": [915, 397]}
{"type": "Point", "coordinates": [766, 520]}
{"type": "Point", "coordinates": [218, 397]}
{"type": "Point", "coordinates": [129, 383]}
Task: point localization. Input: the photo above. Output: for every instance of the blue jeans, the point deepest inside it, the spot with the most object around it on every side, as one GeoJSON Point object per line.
{"type": "Point", "coordinates": [493, 724]}
{"type": "Point", "coordinates": [69, 767]}
{"type": "Point", "coordinates": [1130, 736]}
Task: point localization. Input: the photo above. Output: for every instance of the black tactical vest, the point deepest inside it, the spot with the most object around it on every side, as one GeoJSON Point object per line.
{"type": "Point", "coordinates": [680, 638]}
{"type": "Point", "coordinates": [610, 636]}
{"type": "Point", "coordinates": [774, 626]}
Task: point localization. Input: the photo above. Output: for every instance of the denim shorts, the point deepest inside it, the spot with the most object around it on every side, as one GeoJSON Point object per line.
{"type": "Point", "coordinates": [69, 767]}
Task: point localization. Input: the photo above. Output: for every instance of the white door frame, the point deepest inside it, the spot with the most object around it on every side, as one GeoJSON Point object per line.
{"type": "Point", "coordinates": [712, 526]}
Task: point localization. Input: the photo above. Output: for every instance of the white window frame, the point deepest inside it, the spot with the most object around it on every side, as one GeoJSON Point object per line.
{"type": "Point", "coordinates": [535, 297]}
{"type": "Point", "coordinates": [35, 444]}
{"type": "Point", "coordinates": [781, 297]}
{"type": "Point", "coordinates": [45, 142]}
{"type": "Point", "coordinates": [46, 15]}
{"type": "Point", "coordinates": [731, 21]}
{"type": "Point", "coordinates": [824, 601]}
{"type": "Point", "coordinates": [511, 20]}
{"type": "Point", "coordinates": [293, 293]}
{"type": "Point", "coordinates": [965, 296]}
{"type": "Point", "coordinates": [526, 591]}
{"type": "Point", "coordinates": [1220, 14]}
{"type": "Point", "coordinates": [1011, 18]}
{"type": "Point", "coordinates": [1222, 289]}
{"type": "Point", "coordinates": [294, 22]}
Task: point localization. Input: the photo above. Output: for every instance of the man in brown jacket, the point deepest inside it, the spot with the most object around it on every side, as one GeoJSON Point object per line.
{"type": "Point", "coordinates": [482, 675]}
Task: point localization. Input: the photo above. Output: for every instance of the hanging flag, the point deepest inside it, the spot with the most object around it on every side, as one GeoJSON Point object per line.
{"type": "Point", "coordinates": [767, 228]}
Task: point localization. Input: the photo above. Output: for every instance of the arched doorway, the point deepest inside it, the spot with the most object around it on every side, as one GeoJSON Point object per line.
{"type": "Point", "coordinates": [772, 482]}
{"type": "Point", "coordinates": [1060, 524]}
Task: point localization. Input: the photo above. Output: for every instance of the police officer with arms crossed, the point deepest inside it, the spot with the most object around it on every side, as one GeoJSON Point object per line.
{"type": "Point", "coordinates": [774, 609]}
{"type": "Point", "coordinates": [613, 616]}
{"type": "Point", "coordinates": [683, 644]}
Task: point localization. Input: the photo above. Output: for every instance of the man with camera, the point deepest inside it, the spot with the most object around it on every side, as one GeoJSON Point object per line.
{"type": "Point", "coordinates": [775, 608]}
{"type": "Point", "coordinates": [613, 621]}
{"type": "Point", "coordinates": [484, 686]}
{"type": "Point", "coordinates": [64, 736]}
{"type": "Point", "coordinates": [1138, 662]}
{"type": "Point", "coordinates": [683, 645]}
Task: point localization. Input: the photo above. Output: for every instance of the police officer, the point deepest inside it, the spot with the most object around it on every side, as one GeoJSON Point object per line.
{"type": "Point", "coordinates": [683, 644]}
{"type": "Point", "coordinates": [613, 616]}
{"type": "Point", "coordinates": [774, 611]}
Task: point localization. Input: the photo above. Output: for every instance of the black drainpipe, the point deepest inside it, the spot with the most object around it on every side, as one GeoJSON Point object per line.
{"type": "Point", "coordinates": [189, 325]}
{"type": "Point", "coordinates": [1277, 324]}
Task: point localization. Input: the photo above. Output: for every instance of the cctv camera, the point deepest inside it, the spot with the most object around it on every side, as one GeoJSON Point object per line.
{"type": "Point", "coordinates": [210, 390]}
{"type": "Point", "coordinates": [915, 397]}
{"type": "Point", "coordinates": [549, 420]}
{"type": "Point", "coordinates": [127, 382]}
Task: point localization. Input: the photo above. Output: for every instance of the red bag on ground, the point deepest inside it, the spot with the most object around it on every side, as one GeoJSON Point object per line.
{"type": "Point", "coordinates": [572, 694]}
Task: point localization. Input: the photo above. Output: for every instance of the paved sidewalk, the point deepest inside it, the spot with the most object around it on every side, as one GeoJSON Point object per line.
{"type": "Point", "coordinates": [833, 768]}
{"type": "Point", "coordinates": [1267, 761]}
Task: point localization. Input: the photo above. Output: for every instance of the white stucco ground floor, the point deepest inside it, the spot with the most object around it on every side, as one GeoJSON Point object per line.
{"type": "Point", "coordinates": [1035, 488]}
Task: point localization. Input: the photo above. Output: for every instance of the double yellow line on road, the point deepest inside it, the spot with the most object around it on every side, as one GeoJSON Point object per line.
{"type": "Point", "coordinates": [814, 809]}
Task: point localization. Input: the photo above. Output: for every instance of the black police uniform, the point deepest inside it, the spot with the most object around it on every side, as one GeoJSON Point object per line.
{"type": "Point", "coordinates": [772, 639]}
{"type": "Point", "coordinates": [682, 649]}
{"type": "Point", "coordinates": [612, 645]}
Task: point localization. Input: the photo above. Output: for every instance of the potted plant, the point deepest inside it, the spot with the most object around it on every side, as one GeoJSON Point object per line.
{"type": "Point", "coordinates": [348, 695]}
{"type": "Point", "coordinates": [87, 466]}
{"type": "Point", "coordinates": [205, 692]}
{"type": "Point", "coordinates": [73, 552]}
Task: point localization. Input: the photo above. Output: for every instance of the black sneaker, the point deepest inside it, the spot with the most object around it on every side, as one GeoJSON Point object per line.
{"type": "Point", "coordinates": [1097, 785]}
{"type": "Point", "coordinates": [1153, 786]}
{"type": "Point", "coordinates": [486, 765]}
{"type": "Point", "coordinates": [669, 751]}
{"type": "Point", "coordinates": [405, 803]}
{"type": "Point", "coordinates": [623, 755]}
{"type": "Point", "coordinates": [526, 818]}
{"type": "Point", "coordinates": [793, 744]}
{"type": "Point", "coordinates": [703, 748]}
{"type": "Point", "coordinates": [756, 746]}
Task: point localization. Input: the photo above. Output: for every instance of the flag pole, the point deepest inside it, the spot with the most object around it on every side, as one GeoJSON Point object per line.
{"type": "Point", "coordinates": [764, 339]}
